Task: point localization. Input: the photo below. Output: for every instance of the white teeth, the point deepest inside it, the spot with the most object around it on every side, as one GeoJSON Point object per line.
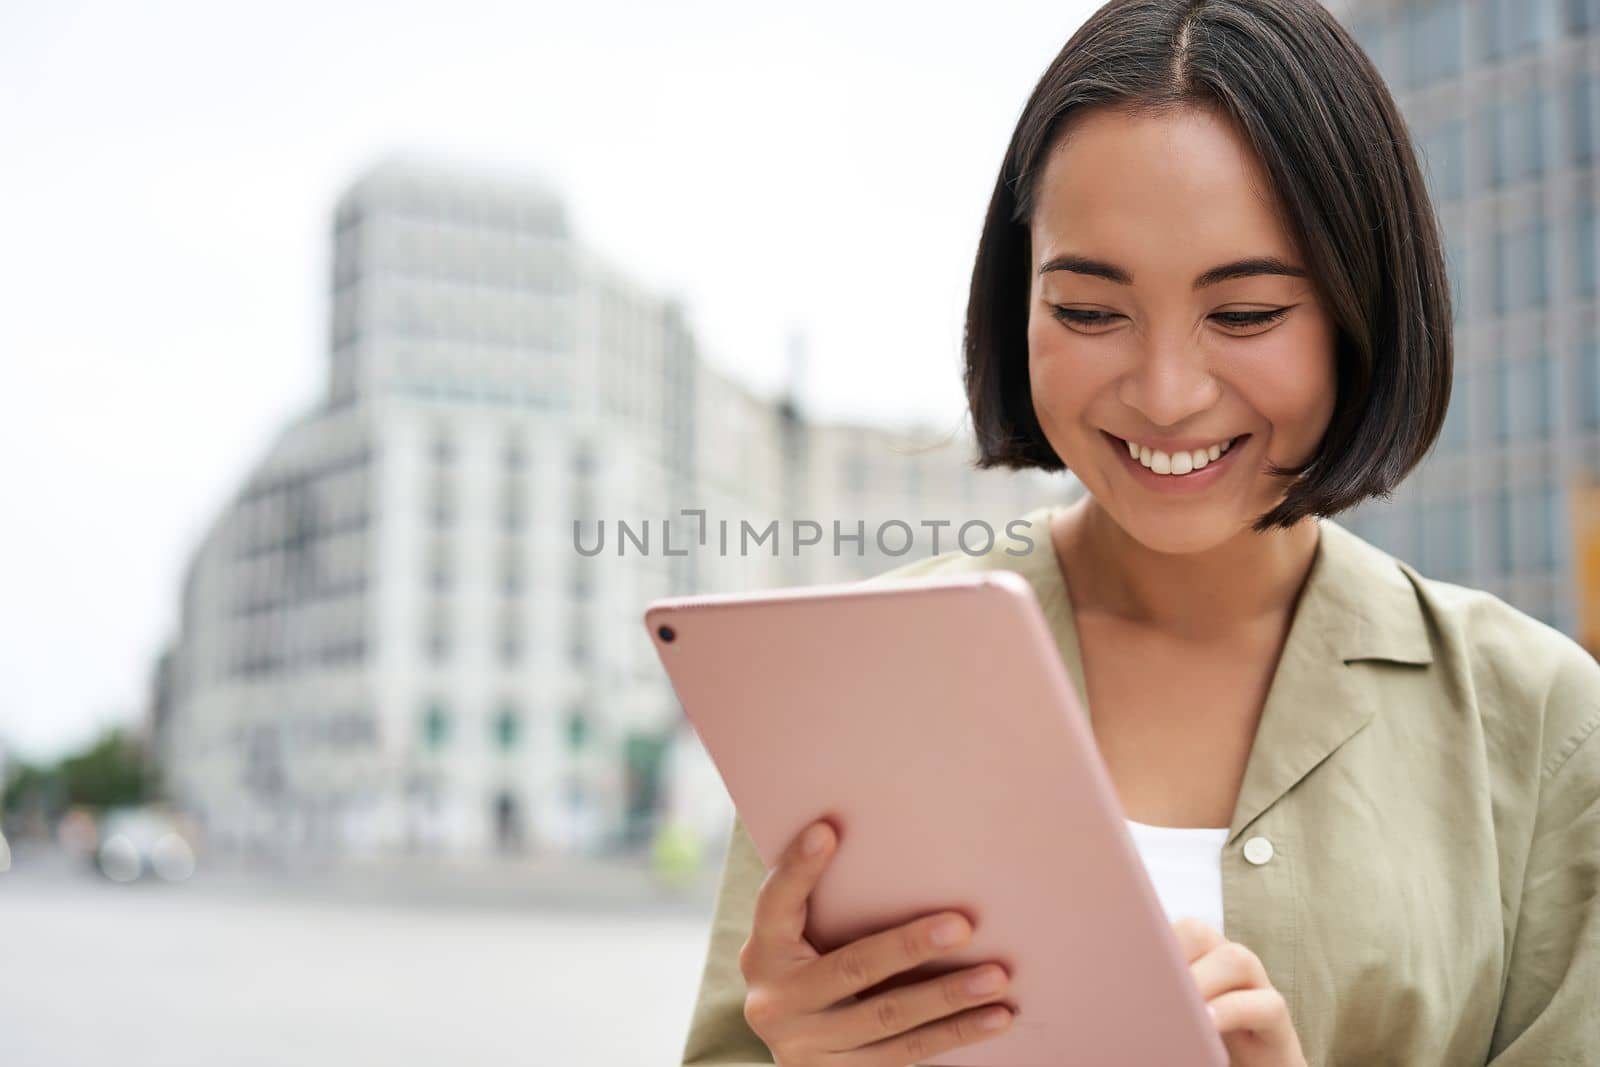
{"type": "Point", "coordinates": [1176, 462]}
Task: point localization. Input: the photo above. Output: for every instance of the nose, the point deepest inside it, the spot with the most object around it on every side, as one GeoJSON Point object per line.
{"type": "Point", "coordinates": [1169, 383]}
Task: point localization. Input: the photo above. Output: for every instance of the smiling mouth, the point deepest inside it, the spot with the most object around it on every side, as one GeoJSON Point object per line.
{"type": "Point", "coordinates": [1176, 464]}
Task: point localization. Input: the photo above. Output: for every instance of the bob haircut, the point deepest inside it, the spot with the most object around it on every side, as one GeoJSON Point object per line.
{"type": "Point", "coordinates": [1321, 120]}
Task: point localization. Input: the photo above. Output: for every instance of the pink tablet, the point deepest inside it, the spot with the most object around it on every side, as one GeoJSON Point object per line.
{"type": "Point", "coordinates": [933, 722]}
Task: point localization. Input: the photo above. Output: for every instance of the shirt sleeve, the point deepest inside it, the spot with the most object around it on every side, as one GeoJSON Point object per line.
{"type": "Point", "coordinates": [1550, 1007]}
{"type": "Point", "coordinates": [718, 1032]}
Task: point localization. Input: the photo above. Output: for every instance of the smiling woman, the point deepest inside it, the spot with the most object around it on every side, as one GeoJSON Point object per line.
{"type": "Point", "coordinates": [1177, 346]}
{"type": "Point", "coordinates": [1191, 192]}
{"type": "Point", "coordinates": [1210, 283]}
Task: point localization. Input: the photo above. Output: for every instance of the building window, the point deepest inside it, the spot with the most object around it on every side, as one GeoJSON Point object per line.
{"type": "Point", "coordinates": [1454, 435]}
{"type": "Point", "coordinates": [1368, 33]}
{"type": "Point", "coordinates": [1500, 260]}
{"type": "Point", "coordinates": [507, 728]}
{"type": "Point", "coordinates": [578, 582]}
{"type": "Point", "coordinates": [1543, 391]}
{"type": "Point", "coordinates": [1584, 234]}
{"type": "Point", "coordinates": [439, 573]}
{"type": "Point", "coordinates": [1447, 531]}
{"type": "Point", "coordinates": [1443, 151]}
{"type": "Point", "coordinates": [1554, 499]}
{"type": "Point", "coordinates": [436, 726]}
{"type": "Point", "coordinates": [513, 455]}
{"type": "Point", "coordinates": [1506, 27]}
{"type": "Point", "coordinates": [513, 507]}
{"type": "Point", "coordinates": [1455, 259]}
{"type": "Point", "coordinates": [1434, 32]}
{"type": "Point", "coordinates": [1537, 414]}
{"type": "Point", "coordinates": [577, 729]}
{"type": "Point", "coordinates": [441, 502]}
{"type": "Point", "coordinates": [511, 578]}
{"type": "Point", "coordinates": [1580, 119]}
{"type": "Point", "coordinates": [510, 638]}
{"type": "Point", "coordinates": [1536, 250]}
{"type": "Point", "coordinates": [1589, 379]}
{"type": "Point", "coordinates": [1503, 505]}
{"type": "Point", "coordinates": [438, 642]}
{"type": "Point", "coordinates": [1533, 520]}
{"type": "Point", "coordinates": [444, 448]}
{"type": "Point", "coordinates": [1527, 136]}
{"type": "Point", "coordinates": [1492, 144]}
{"type": "Point", "coordinates": [1504, 406]}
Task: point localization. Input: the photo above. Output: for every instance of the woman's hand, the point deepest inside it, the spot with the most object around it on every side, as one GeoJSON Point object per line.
{"type": "Point", "coordinates": [794, 994]}
{"type": "Point", "coordinates": [1251, 1015]}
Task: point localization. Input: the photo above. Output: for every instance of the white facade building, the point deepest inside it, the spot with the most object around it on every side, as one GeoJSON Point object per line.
{"type": "Point", "coordinates": [395, 637]}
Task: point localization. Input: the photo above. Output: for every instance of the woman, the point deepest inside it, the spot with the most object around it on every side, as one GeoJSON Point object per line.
{"type": "Point", "coordinates": [1210, 284]}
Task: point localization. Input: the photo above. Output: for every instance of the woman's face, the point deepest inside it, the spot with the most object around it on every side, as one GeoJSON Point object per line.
{"type": "Point", "coordinates": [1169, 308]}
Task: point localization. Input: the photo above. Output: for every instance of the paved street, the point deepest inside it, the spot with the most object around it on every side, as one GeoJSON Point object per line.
{"type": "Point", "coordinates": [234, 971]}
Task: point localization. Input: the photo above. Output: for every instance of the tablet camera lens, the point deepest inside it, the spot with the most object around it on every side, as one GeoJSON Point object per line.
{"type": "Point", "coordinates": [666, 633]}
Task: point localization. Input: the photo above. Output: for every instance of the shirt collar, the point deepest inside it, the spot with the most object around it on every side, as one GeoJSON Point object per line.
{"type": "Point", "coordinates": [1360, 600]}
{"type": "Point", "coordinates": [1356, 606]}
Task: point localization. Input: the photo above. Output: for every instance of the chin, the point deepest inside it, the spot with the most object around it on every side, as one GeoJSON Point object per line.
{"type": "Point", "coordinates": [1170, 542]}
{"type": "Point", "coordinates": [1173, 535]}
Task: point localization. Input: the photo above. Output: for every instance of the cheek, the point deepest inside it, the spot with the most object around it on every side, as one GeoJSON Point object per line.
{"type": "Point", "coordinates": [1062, 376]}
{"type": "Point", "coordinates": [1291, 383]}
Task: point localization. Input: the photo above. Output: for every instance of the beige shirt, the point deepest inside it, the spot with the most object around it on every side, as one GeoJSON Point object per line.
{"type": "Point", "coordinates": [1427, 774]}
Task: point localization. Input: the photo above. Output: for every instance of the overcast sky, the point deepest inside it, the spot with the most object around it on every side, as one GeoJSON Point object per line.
{"type": "Point", "coordinates": [169, 174]}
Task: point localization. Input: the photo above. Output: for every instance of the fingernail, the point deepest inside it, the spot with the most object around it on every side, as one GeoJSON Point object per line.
{"type": "Point", "coordinates": [948, 932]}
{"type": "Point", "coordinates": [986, 981]}
{"type": "Point", "coordinates": [814, 839]}
{"type": "Point", "coordinates": [1212, 1012]}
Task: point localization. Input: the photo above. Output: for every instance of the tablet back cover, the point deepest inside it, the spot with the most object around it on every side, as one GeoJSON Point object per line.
{"type": "Point", "coordinates": [933, 722]}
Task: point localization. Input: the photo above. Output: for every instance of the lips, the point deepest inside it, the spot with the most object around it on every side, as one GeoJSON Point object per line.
{"type": "Point", "coordinates": [1180, 467]}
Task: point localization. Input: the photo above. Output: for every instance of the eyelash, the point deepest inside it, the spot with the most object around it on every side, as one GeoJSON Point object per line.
{"type": "Point", "coordinates": [1232, 319]}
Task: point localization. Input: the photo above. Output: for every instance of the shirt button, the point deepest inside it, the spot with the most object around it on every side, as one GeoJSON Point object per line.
{"type": "Point", "coordinates": [1258, 850]}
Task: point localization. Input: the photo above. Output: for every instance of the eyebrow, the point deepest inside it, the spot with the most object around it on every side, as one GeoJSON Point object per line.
{"type": "Point", "coordinates": [1240, 268]}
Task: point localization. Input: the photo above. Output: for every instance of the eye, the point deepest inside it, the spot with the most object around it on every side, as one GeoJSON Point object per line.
{"type": "Point", "coordinates": [1080, 317]}
{"type": "Point", "coordinates": [1233, 320]}
{"type": "Point", "coordinates": [1248, 319]}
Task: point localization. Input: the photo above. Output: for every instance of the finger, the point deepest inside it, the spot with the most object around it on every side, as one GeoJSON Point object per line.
{"type": "Point", "coordinates": [780, 908]}
{"type": "Point", "coordinates": [1228, 966]}
{"type": "Point", "coordinates": [865, 962]}
{"type": "Point", "coordinates": [1196, 937]}
{"type": "Point", "coordinates": [1260, 1011]}
{"type": "Point", "coordinates": [930, 1040]}
{"type": "Point", "coordinates": [887, 1014]}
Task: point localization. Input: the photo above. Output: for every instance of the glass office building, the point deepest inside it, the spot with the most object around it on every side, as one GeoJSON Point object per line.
{"type": "Point", "coordinates": [1500, 99]}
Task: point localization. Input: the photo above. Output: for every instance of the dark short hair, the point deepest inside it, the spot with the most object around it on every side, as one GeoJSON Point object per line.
{"type": "Point", "coordinates": [1318, 115]}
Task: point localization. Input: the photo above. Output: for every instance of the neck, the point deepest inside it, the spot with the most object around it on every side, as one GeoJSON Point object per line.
{"type": "Point", "coordinates": [1245, 578]}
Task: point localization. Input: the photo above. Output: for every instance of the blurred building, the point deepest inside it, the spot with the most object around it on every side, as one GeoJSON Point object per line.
{"type": "Point", "coordinates": [158, 715]}
{"type": "Point", "coordinates": [417, 623]}
{"type": "Point", "coordinates": [1500, 97]}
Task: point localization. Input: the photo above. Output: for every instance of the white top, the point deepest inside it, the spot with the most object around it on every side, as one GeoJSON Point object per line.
{"type": "Point", "coordinates": [1185, 865]}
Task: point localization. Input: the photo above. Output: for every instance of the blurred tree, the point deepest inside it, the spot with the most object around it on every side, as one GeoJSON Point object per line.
{"type": "Point", "coordinates": [23, 781]}
{"type": "Point", "coordinates": [109, 773]}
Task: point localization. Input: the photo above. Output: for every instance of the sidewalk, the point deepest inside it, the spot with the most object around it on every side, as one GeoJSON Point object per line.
{"type": "Point", "coordinates": [545, 883]}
